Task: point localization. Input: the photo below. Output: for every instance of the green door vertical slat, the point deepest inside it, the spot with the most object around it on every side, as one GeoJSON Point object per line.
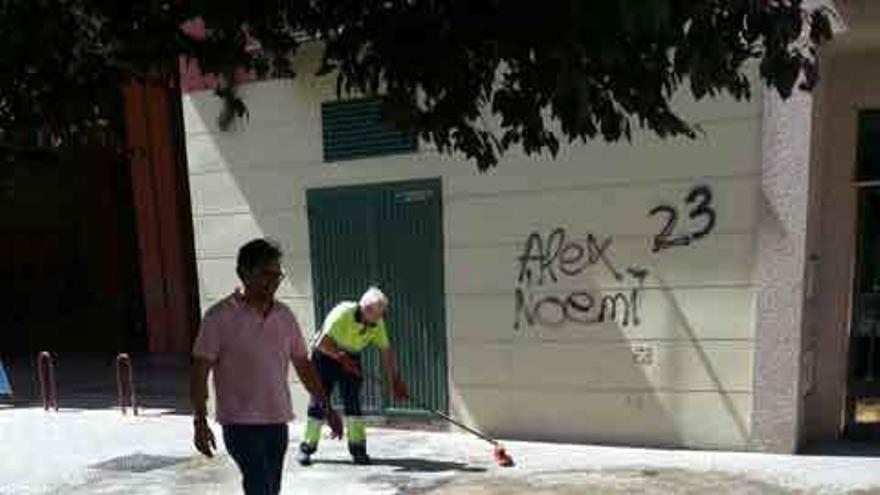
{"type": "Point", "coordinates": [412, 257]}
{"type": "Point", "coordinates": [343, 261]}
{"type": "Point", "coordinates": [397, 229]}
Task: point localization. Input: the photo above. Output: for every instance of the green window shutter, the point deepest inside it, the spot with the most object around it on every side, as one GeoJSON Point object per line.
{"type": "Point", "coordinates": [354, 129]}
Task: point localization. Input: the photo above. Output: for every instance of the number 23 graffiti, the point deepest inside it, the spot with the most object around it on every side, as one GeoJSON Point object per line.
{"type": "Point", "coordinates": [700, 201]}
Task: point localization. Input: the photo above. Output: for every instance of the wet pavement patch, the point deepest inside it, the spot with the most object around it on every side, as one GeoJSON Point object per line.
{"type": "Point", "coordinates": [138, 463]}
{"type": "Point", "coordinates": [613, 482]}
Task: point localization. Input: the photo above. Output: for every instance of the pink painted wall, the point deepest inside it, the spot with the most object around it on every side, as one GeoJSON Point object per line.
{"type": "Point", "coordinates": [191, 76]}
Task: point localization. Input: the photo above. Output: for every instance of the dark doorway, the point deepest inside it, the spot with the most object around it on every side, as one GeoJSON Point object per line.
{"type": "Point", "coordinates": [863, 391]}
{"type": "Point", "coordinates": [68, 253]}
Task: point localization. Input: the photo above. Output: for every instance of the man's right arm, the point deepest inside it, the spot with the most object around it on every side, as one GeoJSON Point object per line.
{"type": "Point", "coordinates": [329, 348]}
{"type": "Point", "coordinates": [327, 339]}
{"type": "Point", "coordinates": [203, 438]}
{"type": "Point", "coordinates": [206, 350]}
{"type": "Point", "coordinates": [311, 380]}
{"type": "Point", "coordinates": [199, 387]}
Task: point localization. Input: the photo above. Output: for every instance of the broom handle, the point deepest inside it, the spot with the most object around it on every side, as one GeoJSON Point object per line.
{"type": "Point", "coordinates": [445, 416]}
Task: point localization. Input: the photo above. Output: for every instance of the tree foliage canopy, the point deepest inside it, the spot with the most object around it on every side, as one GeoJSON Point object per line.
{"type": "Point", "coordinates": [598, 68]}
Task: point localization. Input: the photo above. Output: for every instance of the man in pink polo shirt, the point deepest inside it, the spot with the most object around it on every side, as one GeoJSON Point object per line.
{"type": "Point", "coordinates": [248, 340]}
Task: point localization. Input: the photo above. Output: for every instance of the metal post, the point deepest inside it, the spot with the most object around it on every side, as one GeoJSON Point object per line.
{"type": "Point", "coordinates": [125, 384]}
{"type": "Point", "coordinates": [46, 376]}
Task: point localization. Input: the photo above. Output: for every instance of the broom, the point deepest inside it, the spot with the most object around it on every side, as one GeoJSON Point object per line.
{"type": "Point", "coordinates": [499, 453]}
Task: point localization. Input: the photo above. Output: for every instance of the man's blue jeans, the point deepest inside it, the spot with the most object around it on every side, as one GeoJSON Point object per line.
{"type": "Point", "coordinates": [258, 450]}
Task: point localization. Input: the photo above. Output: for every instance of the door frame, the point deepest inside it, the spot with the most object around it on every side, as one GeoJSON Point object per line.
{"type": "Point", "coordinates": [855, 389]}
{"type": "Point", "coordinates": [831, 240]}
{"type": "Point", "coordinates": [436, 185]}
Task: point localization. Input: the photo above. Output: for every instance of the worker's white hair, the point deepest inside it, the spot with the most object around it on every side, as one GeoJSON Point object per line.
{"type": "Point", "coordinates": [372, 296]}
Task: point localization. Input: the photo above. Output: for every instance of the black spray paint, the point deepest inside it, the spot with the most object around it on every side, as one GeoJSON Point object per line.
{"type": "Point", "coordinates": [547, 259]}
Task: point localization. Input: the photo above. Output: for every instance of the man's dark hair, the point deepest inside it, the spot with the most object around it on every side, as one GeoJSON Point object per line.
{"type": "Point", "coordinates": [255, 254]}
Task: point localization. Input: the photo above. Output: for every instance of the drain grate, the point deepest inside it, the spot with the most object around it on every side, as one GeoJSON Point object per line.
{"type": "Point", "coordinates": [138, 463]}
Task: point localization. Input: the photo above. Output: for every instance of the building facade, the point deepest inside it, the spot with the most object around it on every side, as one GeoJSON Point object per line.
{"type": "Point", "coordinates": [693, 293]}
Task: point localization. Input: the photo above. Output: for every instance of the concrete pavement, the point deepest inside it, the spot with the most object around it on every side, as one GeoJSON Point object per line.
{"type": "Point", "coordinates": [100, 451]}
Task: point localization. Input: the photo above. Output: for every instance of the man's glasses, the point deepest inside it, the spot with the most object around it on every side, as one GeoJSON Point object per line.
{"type": "Point", "coordinates": [270, 275]}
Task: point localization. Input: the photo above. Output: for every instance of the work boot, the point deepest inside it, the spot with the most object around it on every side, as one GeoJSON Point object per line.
{"type": "Point", "coordinates": [358, 453]}
{"type": "Point", "coordinates": [304, 454]}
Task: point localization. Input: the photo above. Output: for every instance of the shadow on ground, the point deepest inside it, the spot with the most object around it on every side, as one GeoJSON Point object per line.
{"type": "Point", "coordinates": [615, 482]}
{"type": "Point", "coordinates": [845, 448]}
{"type": "Point", "coordinates": [413, 465]}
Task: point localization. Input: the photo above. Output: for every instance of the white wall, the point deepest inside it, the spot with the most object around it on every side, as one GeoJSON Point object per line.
{"type": "Point", "coordinates": [680, 377]}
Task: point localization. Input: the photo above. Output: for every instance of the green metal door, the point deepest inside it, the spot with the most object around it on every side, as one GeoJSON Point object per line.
{"type": "Point", "coordinates": [389, 235]}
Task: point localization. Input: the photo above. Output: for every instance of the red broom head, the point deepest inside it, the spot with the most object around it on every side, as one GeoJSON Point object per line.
{"type": "Point", "coordinates": [502, 458]}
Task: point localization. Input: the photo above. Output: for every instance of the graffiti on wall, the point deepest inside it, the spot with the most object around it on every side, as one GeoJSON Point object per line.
{"type": "Point", "coordinates": [548, 260]}
{"type": "Point", "coordinates": [701, 209]}
{"type": "Point", "coordinates": [557, 258]}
